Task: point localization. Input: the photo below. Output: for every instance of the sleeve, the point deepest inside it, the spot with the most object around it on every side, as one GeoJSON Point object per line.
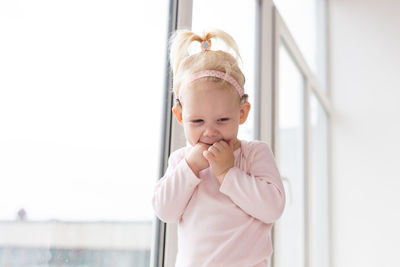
{"type": "Point", "coordinates": [174, 190]}
{"type": "Point", "coordinates": [259, 193]}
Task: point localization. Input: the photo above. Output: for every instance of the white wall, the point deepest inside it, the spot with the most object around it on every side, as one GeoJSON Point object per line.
{"type": "Point", "coordinates": [365, 83]}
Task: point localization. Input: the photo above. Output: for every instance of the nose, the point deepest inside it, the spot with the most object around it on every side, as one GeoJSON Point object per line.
{"type": "Point", "coordinates": [210, 131]}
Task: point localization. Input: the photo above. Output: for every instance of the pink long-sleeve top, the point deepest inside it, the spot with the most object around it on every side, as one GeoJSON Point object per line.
{"type": "Point", "coordinates": [224, 224]}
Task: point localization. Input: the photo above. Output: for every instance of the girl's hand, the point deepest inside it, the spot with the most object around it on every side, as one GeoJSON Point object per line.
{"type": "Point", "coordinates": [195, 158]}
{"type": "Point", "coordinates": [221, 159]}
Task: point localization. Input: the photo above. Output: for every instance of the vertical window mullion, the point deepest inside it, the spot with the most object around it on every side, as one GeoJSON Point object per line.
{"type": "Point", "coordinates": [307, 168]}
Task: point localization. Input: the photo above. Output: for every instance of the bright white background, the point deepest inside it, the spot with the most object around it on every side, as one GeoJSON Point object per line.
{"type": "Point", "coordinates": [80, 108]}
{"type": "Point", "coordinates": [365, 56]}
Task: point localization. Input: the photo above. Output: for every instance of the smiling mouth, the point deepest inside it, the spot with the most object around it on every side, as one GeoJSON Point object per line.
{"type": "Point", "coordinates": [211, 143]}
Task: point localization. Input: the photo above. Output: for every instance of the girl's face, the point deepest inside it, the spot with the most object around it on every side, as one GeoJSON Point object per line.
{"type": "Point", "coordinates": [211, 111]}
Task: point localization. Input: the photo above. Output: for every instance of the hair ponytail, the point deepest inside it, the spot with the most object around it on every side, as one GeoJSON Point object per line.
{"type": "Point", "coordinates": [183, 64]}
{"type": "Point", "coordinates": [180, 43]}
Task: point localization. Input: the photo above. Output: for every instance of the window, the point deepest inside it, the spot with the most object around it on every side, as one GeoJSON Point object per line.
{"type": "Point", "coordinates": [80, 126]}
{"type": "Point", "coordinates": [301, 235]}
{"type": "Point", "coordinates": [319, 193]}
{"type": "Point", "coordinates": [306, 20]}
{"type": "Point", "coordinates": [290, 236]}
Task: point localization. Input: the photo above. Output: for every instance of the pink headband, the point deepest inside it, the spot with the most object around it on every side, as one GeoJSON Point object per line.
{"type": "Point", "coordinates": [221, 75]}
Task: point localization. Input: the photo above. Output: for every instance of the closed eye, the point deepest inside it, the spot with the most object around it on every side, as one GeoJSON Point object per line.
{"type": "Point", "coordinates": [223, 119]}
{"type": "Point", "coordinates": [197, 121]}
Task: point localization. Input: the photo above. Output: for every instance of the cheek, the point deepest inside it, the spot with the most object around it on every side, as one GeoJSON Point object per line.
{"type": "Point", "coordinates": [191, 133]}
{"type": "Point", "coordinates": [231, 130]}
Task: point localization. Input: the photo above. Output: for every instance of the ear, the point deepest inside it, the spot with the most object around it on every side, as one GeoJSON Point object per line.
{"type": "Point", "coordinates": [244, 112]}
{"type": "Point", "coordinates": [178, 114]}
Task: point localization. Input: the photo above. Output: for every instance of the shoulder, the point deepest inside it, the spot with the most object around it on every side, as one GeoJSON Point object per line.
{"type": "Point", "coordinates": [251, 149]}
{"type": "Point", "coordinates": [254, 145]}
{"type": "Point", "coordinates": [260, 159]}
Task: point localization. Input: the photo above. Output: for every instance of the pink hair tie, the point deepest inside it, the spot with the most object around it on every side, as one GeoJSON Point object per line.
{"type": "Point", "coordinates": [221, 75]}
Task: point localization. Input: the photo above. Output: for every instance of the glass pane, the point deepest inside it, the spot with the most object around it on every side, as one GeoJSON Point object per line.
{"type": "Point", "coordinates": [236, 18]}
{"type": "Point", "coordinates": [319, 185]}
{"type": "Point", "coordinates": [289, 241]}
{"type": "Point", "coordinates": [78, 157]}
{"type": "Point", "coordinates": [306, 21]}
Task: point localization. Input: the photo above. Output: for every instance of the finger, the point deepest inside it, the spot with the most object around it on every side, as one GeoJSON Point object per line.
{"type": "Point", "coordinates": [219, 145]}
{"type": "Point", "coordinates": [225, 144]}
{"type": "Point", "coordinates": [208, 155]}
{"type": "Point", "coordinates": [203, 145]}
{"type": "Point", "coordinates": [201, 148]}
{"type": "Point", "coordinates": [213, 149]}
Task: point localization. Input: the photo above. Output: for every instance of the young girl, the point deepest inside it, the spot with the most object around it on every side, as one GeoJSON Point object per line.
{"type": "Point", "coordinates": [224, 193]}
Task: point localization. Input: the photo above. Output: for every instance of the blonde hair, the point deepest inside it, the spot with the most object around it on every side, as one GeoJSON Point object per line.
{"type": "Point", "coordinates": [184, 65]}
